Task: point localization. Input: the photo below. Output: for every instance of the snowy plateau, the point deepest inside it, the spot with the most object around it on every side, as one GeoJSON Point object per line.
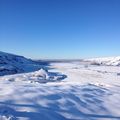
{"type": "Point", "coordinates": [59, 89]}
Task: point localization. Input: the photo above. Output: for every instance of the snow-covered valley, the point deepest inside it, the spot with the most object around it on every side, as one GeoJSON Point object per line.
{"type": "Point", "coordinates": [74, 90]}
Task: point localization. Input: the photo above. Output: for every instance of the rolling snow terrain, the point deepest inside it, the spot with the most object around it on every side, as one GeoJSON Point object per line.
{"type": "Point", "coordinates": [74, 90]}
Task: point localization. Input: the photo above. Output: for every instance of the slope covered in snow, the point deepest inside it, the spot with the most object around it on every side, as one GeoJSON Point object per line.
{"type": "Point", "coordinates": [115, 61]}
{"type": "Point", "coordinates": [11, 64]}
{"type": "Point", "coordinates": [74, 90]}
{"type": "Point", "coordinates": [68, 91]}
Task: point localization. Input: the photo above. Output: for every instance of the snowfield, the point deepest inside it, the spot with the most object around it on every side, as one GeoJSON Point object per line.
{"type": "Point", "coordinates": [114, 61]}
{"type": "Point", "coordinates": [65, 91]}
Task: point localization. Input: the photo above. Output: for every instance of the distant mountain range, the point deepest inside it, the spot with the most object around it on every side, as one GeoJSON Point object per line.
{"type": "Point", "coordinates": [12, 64]}
{"type": "Point", "coordinates": [114, 61]}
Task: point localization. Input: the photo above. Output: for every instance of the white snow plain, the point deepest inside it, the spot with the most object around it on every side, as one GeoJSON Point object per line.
{"type": "Point", "coordinates": [68, 91]}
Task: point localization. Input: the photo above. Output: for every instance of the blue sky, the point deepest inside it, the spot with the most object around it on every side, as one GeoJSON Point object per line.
{"type": "Point", "coordinates": [60, 28]}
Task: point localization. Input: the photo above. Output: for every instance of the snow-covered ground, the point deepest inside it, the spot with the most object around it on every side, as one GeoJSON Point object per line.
{"type": "Point", "coordinates": [114, 61]}
{"type": "Point", "coordinates": [68, 91]}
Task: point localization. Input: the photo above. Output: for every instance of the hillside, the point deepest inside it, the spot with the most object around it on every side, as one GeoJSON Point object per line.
{"type": "Point", "coordinates": [12, 64]}
{"type": "Point", "coordinates": [113, 61]}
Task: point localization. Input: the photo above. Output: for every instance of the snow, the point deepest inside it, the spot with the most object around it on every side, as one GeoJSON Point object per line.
{"type": "Point", "coordinates": [12, 64]}
{"type": "Point", "coordinates": [65, 91]}
{"type": "Point", "coordinates": [115, 61]}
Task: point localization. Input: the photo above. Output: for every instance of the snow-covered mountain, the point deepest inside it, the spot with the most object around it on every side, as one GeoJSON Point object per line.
{"type": "Point", "coordinates": [11, 64]}
{"type": "Point", "coordinates": [114, 61]}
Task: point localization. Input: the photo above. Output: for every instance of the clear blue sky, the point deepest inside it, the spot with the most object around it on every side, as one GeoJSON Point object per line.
{"type": "Point", "coordinates": [60, 28]}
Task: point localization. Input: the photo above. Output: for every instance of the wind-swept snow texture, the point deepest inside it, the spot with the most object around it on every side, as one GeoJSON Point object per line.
{"type": "Point", "coordinates": [67, 91]}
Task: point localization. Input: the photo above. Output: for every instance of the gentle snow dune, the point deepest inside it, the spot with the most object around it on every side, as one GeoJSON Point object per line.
{"type": "Point", "coordinates": [68, 91]}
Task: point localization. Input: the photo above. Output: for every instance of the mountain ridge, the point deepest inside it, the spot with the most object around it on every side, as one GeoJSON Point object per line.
{"type": "Point", "coordinates": [12, 64]}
